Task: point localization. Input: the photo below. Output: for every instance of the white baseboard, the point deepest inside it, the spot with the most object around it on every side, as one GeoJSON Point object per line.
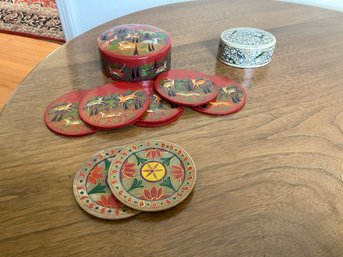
{"type": "Point", "coordinates": [70, 27]}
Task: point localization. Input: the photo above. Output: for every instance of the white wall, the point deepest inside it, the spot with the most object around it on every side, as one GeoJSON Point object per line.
{"type": "Point", "coordinates": [328, 4]}
{"type": "Point", "coordinates": [79, 16]}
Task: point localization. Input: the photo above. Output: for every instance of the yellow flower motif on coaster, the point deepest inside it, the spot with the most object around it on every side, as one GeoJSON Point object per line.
{"type": "Point", "coordinates": [153, 171]}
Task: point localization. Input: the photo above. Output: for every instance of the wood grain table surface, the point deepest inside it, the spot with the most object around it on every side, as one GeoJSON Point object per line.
{"type": "Point", "coordinates": [269, 177]}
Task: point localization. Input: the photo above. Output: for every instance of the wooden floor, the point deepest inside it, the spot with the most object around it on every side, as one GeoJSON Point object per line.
{"type": "Point", "coordinates": [18, 56]}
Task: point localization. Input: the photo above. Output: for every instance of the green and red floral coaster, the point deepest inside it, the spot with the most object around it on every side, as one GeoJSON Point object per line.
{"type": "Point", "coordinates": [146, 176]}
{"type": "Point", "coordinates": [92, 192]}
{"type": "Point", "coordinates": [152, 175]}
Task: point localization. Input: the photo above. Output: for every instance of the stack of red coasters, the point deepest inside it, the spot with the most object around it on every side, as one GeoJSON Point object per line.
{"type": "Point", "coordinates": [186, 87]}
{"type": "Point", "coordinates": [213, 95]}
{"type": "Point", "coordinates": [160, 111]}
{"type": "Point", "coordinates": [149, 176]}
{"type": "Point", "coordinates": [149, 94]}
{"type": "Point", "coordinates": [144, 103]}
{"type": "Point", "coordinates": [109, 106]}
{"type": "Point", "coordinates": [231, 98]}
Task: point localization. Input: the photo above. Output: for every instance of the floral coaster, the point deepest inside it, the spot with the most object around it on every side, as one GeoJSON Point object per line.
{"type": "Point", "coordinates": [91, 189]}
{"type": "Point", "coordinates": [152, 175]}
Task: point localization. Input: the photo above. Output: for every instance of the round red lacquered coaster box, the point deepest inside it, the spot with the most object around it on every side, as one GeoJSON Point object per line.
{"type": "Point", "coordinates": [114, 105]}
{"type": "Point", "coordinates": [134, 52]}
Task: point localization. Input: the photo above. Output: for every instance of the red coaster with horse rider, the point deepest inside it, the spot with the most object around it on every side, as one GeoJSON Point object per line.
{"type": "Point", "coordinates": [186, 87]}
{"type": "Point", "coordinates": [62, 117]}
{"type": "Point", "coordinates": [160, 112]}
{"type": "Point", "coordinates": [231, 98]}
{"type": "Point", "coordinates": [114, 105]}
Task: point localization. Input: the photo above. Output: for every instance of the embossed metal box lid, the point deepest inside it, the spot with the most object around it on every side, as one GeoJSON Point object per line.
{"type": "Point", "coordinates": [246, 47]}
{"type": "Point", "coordinates": [134, 52]}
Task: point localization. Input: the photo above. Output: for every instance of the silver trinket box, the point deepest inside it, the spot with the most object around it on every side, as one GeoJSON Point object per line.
{"type": "Point", "coordinates": [246, 47]}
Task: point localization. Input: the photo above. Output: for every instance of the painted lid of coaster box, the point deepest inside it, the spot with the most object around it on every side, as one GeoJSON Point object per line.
{"type": "Point", "coordinates": [134, 52]}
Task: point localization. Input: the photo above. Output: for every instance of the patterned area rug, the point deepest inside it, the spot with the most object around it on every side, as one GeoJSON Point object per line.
{"type": "Point", "coordinates": [31, 18]}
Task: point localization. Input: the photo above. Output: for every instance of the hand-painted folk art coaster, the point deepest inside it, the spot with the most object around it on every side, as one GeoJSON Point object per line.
{"type": "Point", "coordinates": [160, 112]}
{"type": "Point", "coordinates": [155, 125]}
{"type": "Point", "coordinates": [62, 117]}
{"type": "Point", "coordinates": [185, 87]}
{"type": "Point", "coordinates": [231, 98]}
{"type": "Point", "coordinates": [114, 105]}
{"type": "Point", "coordinates": [152, 175]}
{"type": "Point", "coordinates": [134, 52]}
{"type": "Point", "coordinates": [92, 192]}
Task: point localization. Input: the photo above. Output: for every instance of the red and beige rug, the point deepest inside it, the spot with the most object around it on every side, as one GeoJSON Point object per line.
{"type": "Point", "coordinates": [31, 18]}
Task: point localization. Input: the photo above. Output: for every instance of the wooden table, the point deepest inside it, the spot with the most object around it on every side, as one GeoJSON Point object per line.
{"type": "Point", "coordinates": [269, 177]}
